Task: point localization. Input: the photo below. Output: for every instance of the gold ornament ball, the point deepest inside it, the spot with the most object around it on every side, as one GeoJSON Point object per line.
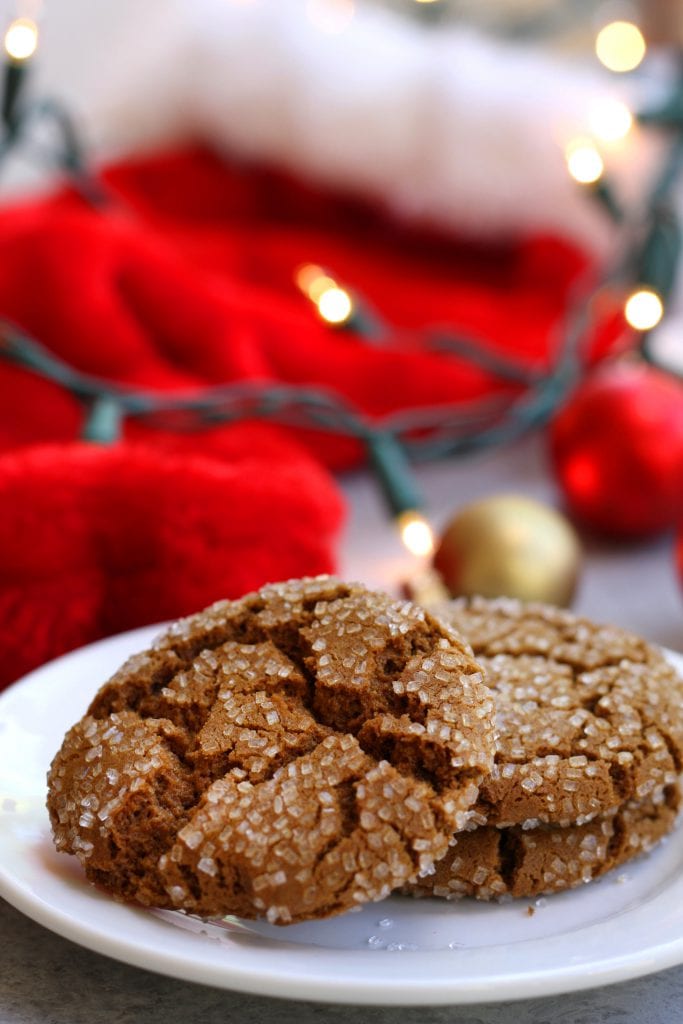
{"type": "Point", "coordinates": [510, 546]}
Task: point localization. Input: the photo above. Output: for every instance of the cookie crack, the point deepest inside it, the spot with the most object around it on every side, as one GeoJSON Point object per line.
{"type": "Point", "coordinates": [293, 646]}
{"type": "Point", "coordinates": [483, 648]}
{"type": "Point", "coordinates": [347, 804]}
{"type": "Point", "coordinates": [347, 801]}
{"type": "Point", "coordinates": [671, 745]}
{"type": "Point", "coordinates": [509, 855]}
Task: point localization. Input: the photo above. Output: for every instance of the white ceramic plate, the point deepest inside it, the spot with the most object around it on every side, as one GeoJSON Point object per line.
{"type": "Point", "coordinates": [398, 952]}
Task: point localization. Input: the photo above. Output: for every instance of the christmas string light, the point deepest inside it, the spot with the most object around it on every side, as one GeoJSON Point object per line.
{"type": "Point", "coordinates": [584, 162]}
{"type": "Point", "coordinates": [586, 166]}
{"type": "Point", "coordinates": [656, 265]}
{"type": "Point", "coordinates": [335, 304]}
{"type": "Point", "coordinates": [104, 422]}
{"type": "Point", "coordinates": [388, 459]}
{"type": "Point", "coordinates": [610, 120]}
{"type": "Point", "coordinates": [318, 285]}
{"type": "Point", "coordinates": [416, 533]}
{"type": "Point", "coordinates": [390, 441]}
{"type": "Point", "coordinates": [21, 39]}
{"type": "Point", "coordinates": [21, 42]}
{"type": "Point", "coordinates": [620, 46]}
{"type": "Point", "coordinates": [107, 406]}
{"type": "Point", "coordinates": [643, 309]}
{"type": "Point", "coordinates": [332, 302]}
{"type": "Point", "coordinates": [653, 262]}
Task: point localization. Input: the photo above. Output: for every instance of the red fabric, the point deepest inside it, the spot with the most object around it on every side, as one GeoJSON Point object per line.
{"type": "Point", "coordinates": [95, 540]}
{"type": "Point", "coordinates": [186, 279]}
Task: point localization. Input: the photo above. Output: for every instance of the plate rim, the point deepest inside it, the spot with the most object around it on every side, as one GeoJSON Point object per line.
{"type": "Point", "coordinates": [333, 991]}
{"type": "Point", "coordinates": [265, 979]}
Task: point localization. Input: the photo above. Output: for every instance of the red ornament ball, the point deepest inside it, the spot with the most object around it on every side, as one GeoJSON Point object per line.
{"type": "Point", "coordinates": [617, 449]}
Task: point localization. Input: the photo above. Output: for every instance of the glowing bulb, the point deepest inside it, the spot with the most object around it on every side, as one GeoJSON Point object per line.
{"type": "Point", "coordinates": [307, 275]}
{"type": "Point", "coordinates": [321, 286]}
{"type": "Point", "coordinates": [644, 309]}
{"type": "Point", "coordinates": [620, 46]}
{"type": "Point", "coordinates": [313, 281]}
{"type": "Point", "coordinates": [610, 120]}
{"type": "Point", "coordinates": [584, 162]}
{"type": "Point", "coordinates": [416, 533]}
{"type": "Point", "coordinates": [335, 305]}
{"type": "Point", "coordinates": [21, 39]}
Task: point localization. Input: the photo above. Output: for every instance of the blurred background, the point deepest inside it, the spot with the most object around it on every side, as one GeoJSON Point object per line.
{"type": "Point", "coordinates": [293, 286]}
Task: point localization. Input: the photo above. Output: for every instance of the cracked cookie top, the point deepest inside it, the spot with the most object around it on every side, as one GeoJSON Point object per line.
{"type": "Point", "coordinates": [588, 716]}
{"type": "Point", "coordinates": [292, 754]}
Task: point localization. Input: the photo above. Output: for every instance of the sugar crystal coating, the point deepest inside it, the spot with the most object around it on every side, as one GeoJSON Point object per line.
{"type": "Point", "coordinates": [290, 755]}
{"type": "Point", "coordinates": [588, 716]}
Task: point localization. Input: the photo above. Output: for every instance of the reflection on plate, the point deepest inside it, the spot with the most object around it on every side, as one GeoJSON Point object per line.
{"type": "Point", "coordinates": [629, 923]}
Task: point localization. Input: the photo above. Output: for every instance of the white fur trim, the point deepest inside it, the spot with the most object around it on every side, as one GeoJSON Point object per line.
{"type": "Point", "coordinates": [438, 124]}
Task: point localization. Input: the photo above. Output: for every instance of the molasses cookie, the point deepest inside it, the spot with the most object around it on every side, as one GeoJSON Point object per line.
{"type": "Point", "coordinates": [589, 717]}
{"type": "Point", "coordinates": [290, 755]}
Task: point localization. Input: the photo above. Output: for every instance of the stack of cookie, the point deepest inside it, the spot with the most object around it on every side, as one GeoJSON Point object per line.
{"type": "Point", "coordinates": [316, 746]}
{"type": "Point", "coordinates": [589, 749]}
